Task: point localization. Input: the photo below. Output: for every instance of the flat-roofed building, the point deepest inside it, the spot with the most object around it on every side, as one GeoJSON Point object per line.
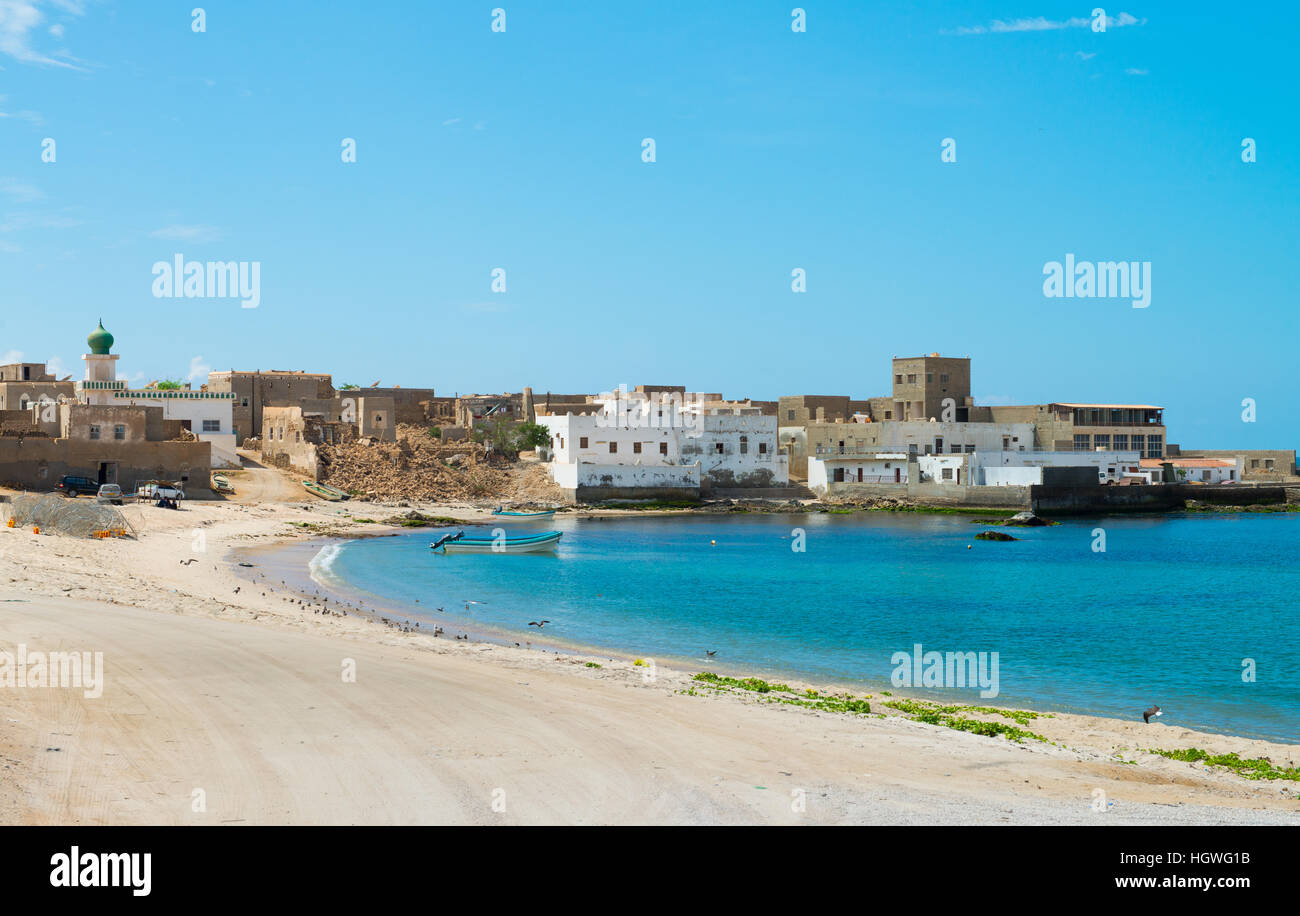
{"type": "Point", "coordinates": [932, 386]}
{"type": "Point", "coordinates": [255, 389]}
{"type": "Point", "coordinates": [1063, 427]}
{"type": "Point", "coordinates": [25, 384]}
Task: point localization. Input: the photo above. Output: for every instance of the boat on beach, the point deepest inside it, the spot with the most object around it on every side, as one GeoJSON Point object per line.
{"type": "Point", "coordinates": [531, 543]}
{"type": "Point", "coordinates": [545, 513]}
{"type": "Point", "coordinates": [324, 491]}
{"type": "Point", "coordinates": [221, 484]}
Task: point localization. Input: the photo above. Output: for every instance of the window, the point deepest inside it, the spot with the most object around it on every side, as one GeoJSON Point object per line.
{"type": "Point", "coordinates": [947, 473]}
{"type": "Point", "coordinates": [663, 448]}
{"type": "Point", "coordinates": [1082, 442]}
{"type": "Point", "coordinates": [119, 432]}
{"type": "Point", "coordinates": [243, 402]}
{"type": "Point", "coordinates": [1268, 464]}
{"type": "Point", "coordinates": [943, 378]}
{"type": "Point", "coordinates": [1254, 463]}
{"type": "Point", "coordinates": [839, 475]}
{"type": "Point", "coordinates": [955, 448]}
{"type": "Point", "coordinates": [297, 436]}
{"type": "Point", "coordinates": [929, 377]}
{"type": "Point", "coordinates": [1121, 442]}
{"type": "Point", "coordinates": [898, 380]}
{"type": "Point", "coordinates": [789, 414]}
{"type": "Point", "coordinates": [94, 432]}
{"type": "Point", "coordinates": [970, 449]}
{"type": "Point", "coordinates": [1155, 446]}
{"type": "Point", "coordinates": [889, 415]}
{"type": "Point", "coordinates": [744, 445]}
{"type": "Point", "coordinates": [582, 442]}
{"type": "Point", "coordinates": [911, 379]}
{"type": "Point", "coordinates": [938, 445]}
{"type": "Point", "coordinates": [1139, 445]}
{"type": "Point", "coordinates": [1100, 441]}
{"type": "Point", "coordinates": [636, 448]}
{"type": "Point", "coordinates": [212, 426]}
{"type": "Point", "coordinates": [613, 448]}
{"type": "Point", "coordinates": [1006, 443]}
{"type": "Point", "coordinates": [762, 448]}
{"type": "Point", "coordinates": [718, 448]}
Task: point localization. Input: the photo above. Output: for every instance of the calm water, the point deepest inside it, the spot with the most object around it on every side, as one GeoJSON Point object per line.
{"type": "Point", "coordinates": [1165, 615]}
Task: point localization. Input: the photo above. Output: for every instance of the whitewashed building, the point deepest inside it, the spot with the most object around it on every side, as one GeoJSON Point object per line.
{"type": "Point", "coordinates": [207, 414]}
{"type": "Point", "coordinates": [1192, 470]}
{"type": "Point", "coordinates": [878, 468]}
{"type": "Point", "coordinates": [646, 442]}
{"type": "Point", "coordinates": [1008, 469]}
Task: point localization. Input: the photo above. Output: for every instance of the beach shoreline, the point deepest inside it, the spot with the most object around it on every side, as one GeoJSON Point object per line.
{"type": "Point", "coordinates": [83, 584]}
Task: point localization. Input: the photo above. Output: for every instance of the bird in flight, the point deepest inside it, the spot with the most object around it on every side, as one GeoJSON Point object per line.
{"type": "Point", "coordinates": [1148, 714]}
{"type": "Point", "coordinates": [538, 623]}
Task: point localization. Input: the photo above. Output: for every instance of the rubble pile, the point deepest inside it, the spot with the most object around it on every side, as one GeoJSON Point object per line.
{"type": "Point", "coordinates": [420, 468]}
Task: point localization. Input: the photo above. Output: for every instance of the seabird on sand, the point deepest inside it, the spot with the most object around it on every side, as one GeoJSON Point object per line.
{"type": "Point", "coordinates": [1148, 713]}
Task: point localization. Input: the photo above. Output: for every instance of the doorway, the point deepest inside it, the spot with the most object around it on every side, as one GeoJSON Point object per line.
{"type": "Point", "coordinates": [107, 472]}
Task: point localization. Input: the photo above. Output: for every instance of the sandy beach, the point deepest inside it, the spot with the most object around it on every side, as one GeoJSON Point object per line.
{"type": "Point", "coordinates": [225, 707]}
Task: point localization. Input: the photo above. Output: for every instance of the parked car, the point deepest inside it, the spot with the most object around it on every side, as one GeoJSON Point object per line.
{"type": "Point", "coordinates": [110, 493]}
{"type": "Point", "coordinates": [74, 486]}
{"type": "Point", "coordinates": [155, 490]}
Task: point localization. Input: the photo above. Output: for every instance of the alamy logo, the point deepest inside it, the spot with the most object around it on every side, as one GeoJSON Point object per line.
{"type": "Point", "coordinates": [104, 869]}
{"type": "Point", "coordinates": [662, 410]}
{"type": "Point", "coordinates": [54, 669]}
{"type": "Point", "coordinates": [1098, 280]}
{"type": "Point", "coordinates": [946, 670]}
{"type": "Point", "coordinates": [182, 279]}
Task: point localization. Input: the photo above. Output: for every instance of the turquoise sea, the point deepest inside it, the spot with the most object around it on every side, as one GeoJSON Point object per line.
{"type": "Point", "coordinates": [1167, 614]}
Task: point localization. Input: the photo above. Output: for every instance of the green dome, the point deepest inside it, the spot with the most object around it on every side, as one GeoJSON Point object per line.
{"type": "Point", "coordinates": [100, 340]}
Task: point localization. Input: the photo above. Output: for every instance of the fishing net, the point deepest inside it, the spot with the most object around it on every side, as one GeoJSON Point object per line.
{"type": "Point", "coordinates": [55, 514]}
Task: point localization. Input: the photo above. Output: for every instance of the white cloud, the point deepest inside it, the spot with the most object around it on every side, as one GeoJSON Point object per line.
{"type": "Point", "coordinates": [1082, 56]}
{"type": "Point", "coordinates": [198, 370]}
{"type": "Point", "coordinates": [19, 19]}
{"type": "Point", "coordinates": [196, 233]}
{"type": "Point", "coordinates": [1041, 24]}
{"type": "Point", "coordinates": [31, 117]}
{"type": "Point", "coordinates": [450, 121]}
{"type": "Point", "coordinates": [18, 190]}
{"type": "Point", "coordinates": [11, 356]}
{"type": "Point", "coordinates": [55, 367]}
{"type": "Point", "coordinates": [1134, 71]}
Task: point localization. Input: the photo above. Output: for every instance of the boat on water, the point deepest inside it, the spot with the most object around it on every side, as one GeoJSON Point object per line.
{"type": "Point", "coordinates": [531, 543]}
{"type": "Point", "coordinates": [545, 513]}
{"type": "Point", "coordinates": [324, 491]}
{"type": "Point", "coordinates": [221, 484]}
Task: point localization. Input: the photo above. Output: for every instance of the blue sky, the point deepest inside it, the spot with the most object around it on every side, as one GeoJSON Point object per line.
{"type": "Point", "coordinates": [775, 150]}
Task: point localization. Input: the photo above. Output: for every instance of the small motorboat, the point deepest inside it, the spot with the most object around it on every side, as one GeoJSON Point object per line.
{"type": "Point", "coordinates": [531, 543]}
{"type": "Point", "coordinates": [546, 513]}
{"type": "Point", "coordinates": [324, 491]}
{"type": "Point", "coordinates": [221, 484]}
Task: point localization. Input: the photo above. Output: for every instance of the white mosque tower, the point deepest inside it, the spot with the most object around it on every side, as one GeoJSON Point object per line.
{"type": "Point", "coordinates": [100, 384]}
